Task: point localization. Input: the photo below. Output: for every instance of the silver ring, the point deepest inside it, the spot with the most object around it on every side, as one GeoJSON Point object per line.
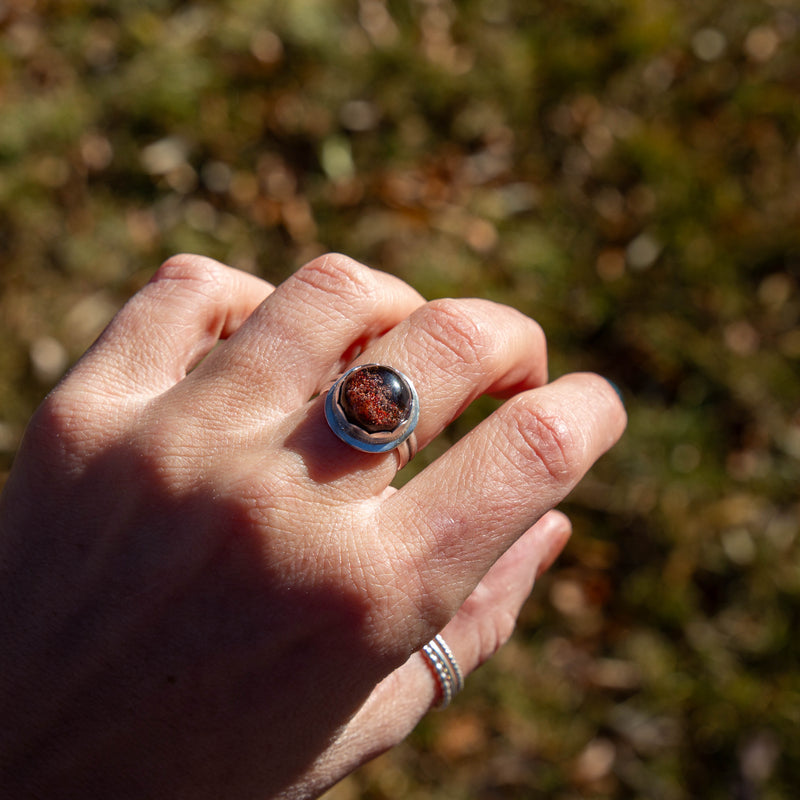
{"type": "Point", "coordinates": [373, 408]}
{"type": "Point", "coordinates": [445, 669]}
{"type": "Point", "coordinates": [406, 451]}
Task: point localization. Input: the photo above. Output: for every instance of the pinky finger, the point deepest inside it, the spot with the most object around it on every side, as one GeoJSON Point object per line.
{"type": "Point", "coordinates": [482, 625]}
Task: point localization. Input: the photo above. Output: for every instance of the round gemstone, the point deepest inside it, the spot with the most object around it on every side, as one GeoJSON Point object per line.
{"type": "Point", "coordinates": [375, 398]}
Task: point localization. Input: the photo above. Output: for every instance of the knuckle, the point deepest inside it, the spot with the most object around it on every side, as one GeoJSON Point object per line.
{"type": "Point", "coordinates": [492, 621]}
{"type": "Point", "coordinates": [494, 633]}
{"type": "Point", "coordinates": [456, 328]}
{"type": "Point", "coordinates": [544, 439]}
{"type": "Point", "coordinates": [537, 333]}
{"type": "Point", "coordinates": [186, 268]}
{"type": "Point", "coordinates": [188, 279]}
{"type": "Point", "coordinates": [338, 274]}
{"type": "Point", "coordinates": [63, 425]}
{"type": "Point", "coordinates": [57, 416]}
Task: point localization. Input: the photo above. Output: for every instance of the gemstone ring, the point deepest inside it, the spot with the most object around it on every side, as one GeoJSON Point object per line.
{"type": "Point", "coordinates": [373, 408]}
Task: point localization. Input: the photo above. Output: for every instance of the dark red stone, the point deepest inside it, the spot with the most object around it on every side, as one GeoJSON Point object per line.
{"type": "Point", "coordinates": [375, 399]}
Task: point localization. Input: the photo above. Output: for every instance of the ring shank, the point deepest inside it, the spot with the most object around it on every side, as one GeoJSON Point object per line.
{"type": "Point", "coordinates": [445, 669]}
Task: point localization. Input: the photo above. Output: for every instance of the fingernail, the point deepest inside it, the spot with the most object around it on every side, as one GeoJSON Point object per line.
{"type": "Point", "coordinates": [555, 523]}
{"type": "Point", "coordinates": [616, 389]}
{"type": "Point", "coordinates": [558, 529]}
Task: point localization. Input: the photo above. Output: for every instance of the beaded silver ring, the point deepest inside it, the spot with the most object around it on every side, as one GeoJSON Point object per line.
{"type": "Point", "coordinates": [445, 668]}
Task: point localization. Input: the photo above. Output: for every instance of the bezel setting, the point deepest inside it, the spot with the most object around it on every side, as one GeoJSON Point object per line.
{"type": "Point", "coordinates": [356, 435]}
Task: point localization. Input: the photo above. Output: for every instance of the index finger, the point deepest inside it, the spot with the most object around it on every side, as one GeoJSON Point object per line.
{"type": "Point", "coordinates": [461, 513]}
{"type": "Point", "coordinates": [168, 326]}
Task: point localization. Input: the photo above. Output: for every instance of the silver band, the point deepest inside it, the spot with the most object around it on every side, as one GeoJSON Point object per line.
{"type": "Point", "coordinates": [406, 451]}
{"type": "Point", "coordinates": [445, 668]}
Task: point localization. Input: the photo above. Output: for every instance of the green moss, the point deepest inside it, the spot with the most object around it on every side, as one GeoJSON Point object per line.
{"type": "Point", "coordinates": [585, 161]}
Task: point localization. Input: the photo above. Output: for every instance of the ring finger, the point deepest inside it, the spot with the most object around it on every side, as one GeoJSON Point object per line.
{"type": "Point", "coordinates": [453, 351]}
{"type": "Point", "coordinates": [456, 350]}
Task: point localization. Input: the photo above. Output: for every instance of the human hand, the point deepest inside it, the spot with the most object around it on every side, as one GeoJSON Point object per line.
{"type": "Point", "coordinates": [205, 593]}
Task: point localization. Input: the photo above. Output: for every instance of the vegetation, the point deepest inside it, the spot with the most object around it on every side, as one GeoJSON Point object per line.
{"type": "Point", "coordinates": [627, 172]}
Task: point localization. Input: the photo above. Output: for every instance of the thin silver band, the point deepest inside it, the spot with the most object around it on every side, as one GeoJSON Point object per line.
{"type": "Point", "coordinates": [445, 668]}
{"type": "Point", "coordinates": [406, 451]}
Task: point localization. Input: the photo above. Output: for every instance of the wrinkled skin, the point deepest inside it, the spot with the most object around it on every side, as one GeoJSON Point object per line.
{"type": "Point", "coordinates": [205, 594]}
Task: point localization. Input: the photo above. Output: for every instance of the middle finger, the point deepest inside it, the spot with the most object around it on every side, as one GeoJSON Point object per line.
{"type": "Point", "coordinates": [300, 337]}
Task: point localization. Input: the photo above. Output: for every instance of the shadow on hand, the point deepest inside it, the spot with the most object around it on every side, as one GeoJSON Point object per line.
{"type": "Point", "coordinates": [151, 645]}
{"type": "Point", "coordinates": [325, 457]}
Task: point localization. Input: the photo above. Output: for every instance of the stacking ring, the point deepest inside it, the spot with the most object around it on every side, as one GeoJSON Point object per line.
{"type": "Point", "coordinates": [445, 669]}
{"type": "Point", "coordinates": [373, 408]}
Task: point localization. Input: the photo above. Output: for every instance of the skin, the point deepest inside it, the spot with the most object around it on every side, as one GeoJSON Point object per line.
{"type": "Point", "coordinates": [204, 593]}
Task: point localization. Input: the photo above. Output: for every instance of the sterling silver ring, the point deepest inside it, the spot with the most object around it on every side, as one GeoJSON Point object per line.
{"type": "Point", "coordinates": [445, 669]}
{"type": "Point", "coordinates": [373, 408]}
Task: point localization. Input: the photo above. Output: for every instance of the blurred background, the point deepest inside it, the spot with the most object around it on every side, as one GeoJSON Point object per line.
{"type": "Point", "coordinates": [625, 171]}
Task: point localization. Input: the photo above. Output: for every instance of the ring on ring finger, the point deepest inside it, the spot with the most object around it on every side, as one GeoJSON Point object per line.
{"type": "Point", "coordinates": [373, 408]}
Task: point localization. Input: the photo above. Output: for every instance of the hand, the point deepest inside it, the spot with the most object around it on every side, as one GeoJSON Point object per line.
{"type": "Point", "coordinates": [206, 594]}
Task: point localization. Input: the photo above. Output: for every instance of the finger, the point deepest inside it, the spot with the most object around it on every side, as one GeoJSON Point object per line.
{"type": "Point", "coordinates": [481, 626]}
{"type": "Point", "coordinates": [456, 350]}
{"type": "Point", "coordinates": [460, 513]}
{"type": "Point", "coordinates": [309, 328]}
{"type": "Point", "coordinates": [167, 327]}
{"type": "Point", "coordinates": [453, 350]}
{"type": "Point", "coordinates": [487, 617]}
